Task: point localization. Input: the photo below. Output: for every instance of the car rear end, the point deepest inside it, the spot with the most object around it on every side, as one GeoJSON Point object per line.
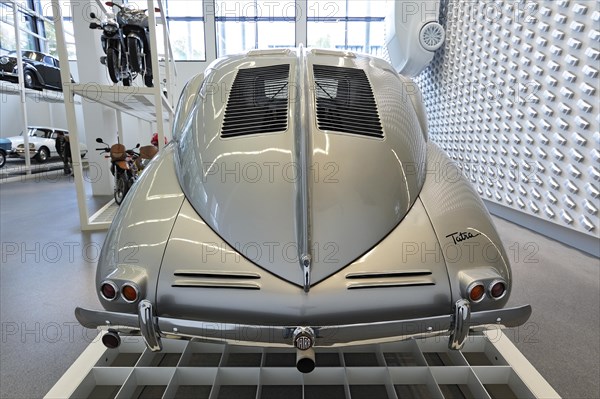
{"type": "Point", "coordinates": [298, 207]}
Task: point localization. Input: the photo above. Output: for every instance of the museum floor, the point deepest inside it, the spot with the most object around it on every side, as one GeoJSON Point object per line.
{"type": "Point", "coordinates": [48, 268]}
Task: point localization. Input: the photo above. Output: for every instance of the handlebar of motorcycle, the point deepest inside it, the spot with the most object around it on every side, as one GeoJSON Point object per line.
{"type": "Point", "coordinates": [103, 149]}
{"type": "Point", "coordinates": [121, 7]}
{"type": "Point", "coordinates": [112, 4]}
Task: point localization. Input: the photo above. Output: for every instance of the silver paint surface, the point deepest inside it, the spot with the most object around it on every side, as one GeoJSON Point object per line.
{"type": "Point", "coordinates": [348, 189]}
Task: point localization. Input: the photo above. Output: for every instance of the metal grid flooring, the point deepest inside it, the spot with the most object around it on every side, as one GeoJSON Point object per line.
{"type": "Point", "coordinates": [105, 214]}
{"type": "Point", "coordinates": [489, 366]}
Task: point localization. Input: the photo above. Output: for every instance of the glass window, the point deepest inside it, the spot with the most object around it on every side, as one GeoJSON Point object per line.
{"type": "Point", "coordinates": [347, 25]}
{"type": "Point", "coordinates": [184, 8]}
{"type": "Point", "coordinates": [185, 19]}
{"type": "Point", "coordinates": [253, 24]}
{"type": "Point", "coordinates": [49, 46]}
{"type": "Point", "coordinates": [187, 40]}
{"type": "Point", "coordinates": [7, 31]}
{"type": "Point", "coordinates": [235, 37]}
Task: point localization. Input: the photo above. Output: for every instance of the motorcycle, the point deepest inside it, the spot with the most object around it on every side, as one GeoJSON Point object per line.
{"type": "Point", "coordinates": [114, 47]}
{"type": "Point", "coordinates": [123, 167]}
{"type": "Point", "coordinates": [130, 53]}
{"type": "Point", "coordinates": [126, 165]}
{"type": "Point", "coordinates": [146, 153]}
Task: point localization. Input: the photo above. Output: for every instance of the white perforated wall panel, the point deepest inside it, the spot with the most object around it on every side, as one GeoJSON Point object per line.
{"type": "Point", "coordinates": [513, 98]}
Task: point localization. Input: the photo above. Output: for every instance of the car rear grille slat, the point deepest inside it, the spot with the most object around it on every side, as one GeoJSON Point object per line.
{"type": "Point", "coordinates": [216, 274]}
{"type": "Point", "coordinates": [390, 284]}
{"type": "Point", "coordinates": [215, 279]}
{"type": "Point", "coordinates": [258, 102]}
{"type": "Point", "coordinates": [408, 273]}
{"type": "Point", "coordinates": [345, 101]}
{"type": "Point", "coordinates": [408, 278]}
{"type": "Point", "coordinates": [218, 284]}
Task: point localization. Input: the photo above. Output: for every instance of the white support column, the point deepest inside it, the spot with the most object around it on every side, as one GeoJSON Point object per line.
{"type": "Point", "coordinates": [168, 55]}
{"type": "Point", "coordinates": [156, 74]}
{"type": "Point", "coordinates": [210, 31]}
{"type": "Point", "coordinates": [301, 22]}
{"type": "Point", "coordinates": [22, 88]}
{"type": "Point", "coordinates": [120, 137]}
{"type": "Point", "coordinates": [98, 120]}
{"type": "Point", "coordinates": [65, 74]}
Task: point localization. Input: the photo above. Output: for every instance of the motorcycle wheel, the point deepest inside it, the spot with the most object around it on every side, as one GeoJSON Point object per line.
{"type": "Point", "coordinates": [113, 63]}
{"type": "Point", "coordinates": [136, 57]}
{"type": "Point", "coordinates": [121, 188]}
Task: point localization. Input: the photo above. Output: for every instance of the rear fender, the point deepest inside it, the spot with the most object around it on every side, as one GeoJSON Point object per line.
{"type": "Point", "coordinates": [138, 235]}
{"type": "Point", "coordinates": [122, 164]}
{"type": "Point", "coordinates": [464, 228]}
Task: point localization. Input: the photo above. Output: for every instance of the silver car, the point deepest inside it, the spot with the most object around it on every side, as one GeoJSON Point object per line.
{"type": "Point", "coordinates": [301, 204]}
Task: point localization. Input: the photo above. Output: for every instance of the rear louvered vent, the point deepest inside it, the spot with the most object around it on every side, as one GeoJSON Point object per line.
{"type": "Point", "coordinates": [215, 279]}
{"type": "Point", "coordinates": [409, 278]}
{"type": "Point", "coordinates": [345, 101]}
{"type": "Point", "coordinates": [258, 102]}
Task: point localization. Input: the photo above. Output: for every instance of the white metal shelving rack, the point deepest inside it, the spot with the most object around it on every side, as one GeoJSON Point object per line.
{"type": "Point", "coordinates": [148, 104]}
{"type": "Point", "coordinates": [489, 366]}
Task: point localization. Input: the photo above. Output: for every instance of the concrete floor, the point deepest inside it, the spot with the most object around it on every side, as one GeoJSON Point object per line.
{"type": "Point", "coordinates": [48, 268]}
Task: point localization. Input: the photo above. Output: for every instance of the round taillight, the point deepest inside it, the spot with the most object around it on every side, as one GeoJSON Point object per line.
{"type": "Point", "coordinates": [109, 291]}
{"type": "Point", "coordinates": [497, 290]}
{"type": "Point", "coordinates": [476, 292]}
{"type": "Point", "coordinates": [129, 293]}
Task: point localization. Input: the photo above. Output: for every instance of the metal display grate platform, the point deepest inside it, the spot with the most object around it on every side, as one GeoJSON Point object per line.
{"type": "Point", "coordinates": [489, 366]}
{"type": "Point", "coordinates": [106, 214]}
{"type": "Point", "coordinates": [137, 101]}
{"type": "Point", "coordinates": [49, 96]}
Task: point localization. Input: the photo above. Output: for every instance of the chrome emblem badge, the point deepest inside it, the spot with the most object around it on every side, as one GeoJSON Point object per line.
{"type": "Point", "coordinates": [303, 342]}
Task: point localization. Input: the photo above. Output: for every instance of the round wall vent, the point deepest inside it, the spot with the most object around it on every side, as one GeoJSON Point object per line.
{"type": "Point", "coordinates": [432, 36]}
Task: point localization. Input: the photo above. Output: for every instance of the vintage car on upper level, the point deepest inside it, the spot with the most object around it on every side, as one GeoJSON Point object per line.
{"type": "Point", "coordinates": [5, 147]}
{"type": "Point", "coordinates": [40, 71]}
{"type": "Point", "coordinates": [301, 204]}
{"type": "Point", "coordinates": [42, 143]}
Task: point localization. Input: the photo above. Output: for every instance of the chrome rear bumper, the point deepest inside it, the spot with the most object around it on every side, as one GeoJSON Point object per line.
{"type": "Point", "coordinates": [152, 328]}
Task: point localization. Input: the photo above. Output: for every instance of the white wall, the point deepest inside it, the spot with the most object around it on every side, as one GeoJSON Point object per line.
{"type": "Point", "coordinates": [513, 98]}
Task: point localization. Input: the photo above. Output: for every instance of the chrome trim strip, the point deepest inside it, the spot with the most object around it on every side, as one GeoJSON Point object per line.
{"type": "Point", "coordinates": [388, 284]}
{"type": "Point", "coordinates": [400, 274]}
{"type": "Point", "coordinates": [215, 284]}
{"type": "Point", "coordinates": [275, 336]}
{"type": "Point", "coordinates": [215, 274]}
{"type": "Point", "coordinates": [460, 324]}
{"type": "Point", "coordinates": [147, 326]}
{"type": "Point", "coordinates": [303, 155]}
